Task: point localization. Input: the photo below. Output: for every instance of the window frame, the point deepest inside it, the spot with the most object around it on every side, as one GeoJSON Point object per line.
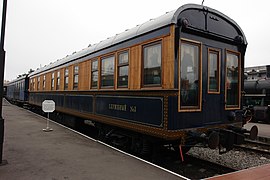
{"type": "Point", "coordinates": [52, 80]}
{"type": "Point", "coordinates": [100, 72]}
{"type": "Point", "coordinates": [238, 106]}
{"type": "Point", "coordinates": [154, 43]}
{"type": "Point", "coordinates": [120, 65]}
{"type": "Point", "coordinates": [217, 52]}
{"type": "Point", "coordinates": [58, 80]}
{"type": "Point", "coordinates": [190, 108]}
{"type": "Point", "coordinates": [66, 76]}
{"type": "Point", "coordinates": [75, 74]}
{"type": "Point", "coordinates": [38, 83]}
{"type": "Point", "coordinates": [94, 71]}
{"type": "Point", "coordinates": [44, 82]}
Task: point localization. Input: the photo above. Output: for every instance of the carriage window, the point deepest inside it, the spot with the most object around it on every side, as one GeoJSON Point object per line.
{"type": "Point", "coordinates": [190, 79]}
{"type": "Point", "coordinates": [213, 71]}
{"type": "Point", "coordinates": [152, 64]}
{"type": "Point", "coordinates": [38, 83]}
{"type": "Point", "coordinates": [94, 74]}
{"type": "Point", "coordinates": [58, 80]}
{"type": "Point", "coordinates": [123, 70]}
{"type": "Point", "coordinates": [107, 72]}
{"type": "Point", "coordinates": [66, 79]}
{"type": "Point", "coordinates": [76, 77]}
{"type": "Point", "coordinates": [232, 80]}
{"type": "Point", "coordinates": [52, 85]}
{"type": "Point", "coordinates": [44, 82]}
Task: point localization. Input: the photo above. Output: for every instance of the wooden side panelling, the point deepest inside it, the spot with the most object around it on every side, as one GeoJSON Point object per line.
{"type": "Point", "coordinates": [168, 61]}
{"type": "Point", "coordinates": [35, 85]}
{"type": "Point", "coordinates": [70, 78]}
{"type": "Point", "coordinates": [135, 67]}
{"type": "Point", "coordinates": [81, 76]}
{"type": "Point", "coordinates": [41, 83]}
{"type": "Point", "coordinates": [84, 76]}
{"type": "Point", "coordinates": [48, 81]}
{"type": "Point", "coordinates": [62, 77]}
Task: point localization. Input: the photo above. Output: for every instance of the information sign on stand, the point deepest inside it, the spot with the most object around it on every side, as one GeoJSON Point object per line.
{"type": "Point", "coordinates": [48, 106]}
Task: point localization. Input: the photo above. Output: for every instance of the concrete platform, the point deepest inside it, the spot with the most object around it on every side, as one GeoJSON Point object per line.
{"type": "Point", "coordinates": [264, 129]}
{"type": "Point", "coordinates": [60, 154]}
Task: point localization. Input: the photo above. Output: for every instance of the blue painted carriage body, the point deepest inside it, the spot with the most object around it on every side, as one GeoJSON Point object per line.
{"type": "Point", "coordinates": [143, 110]}
{"type": "Point", "coordinates": [17, 90]}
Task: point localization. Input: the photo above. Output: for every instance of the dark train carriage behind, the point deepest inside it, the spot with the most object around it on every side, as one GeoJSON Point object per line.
{"type": "Point", "coordinates": [257, 98]}
{"type": "Point", "coordinates": [17, 90]}
{"type": "Point", "coordinates": [175, 76]}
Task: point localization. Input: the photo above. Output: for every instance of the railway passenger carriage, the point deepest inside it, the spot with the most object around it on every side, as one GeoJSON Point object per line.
{"type": "Point", "coordinates": [171, 78]}
{"type": "Point", "coordinates": [17, 90]}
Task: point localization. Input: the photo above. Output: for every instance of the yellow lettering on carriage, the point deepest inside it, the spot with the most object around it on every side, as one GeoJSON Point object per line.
{"type": "Point", "coordinates": [133, 109]}
{"type": "Point", "coordinates": [118, 107]}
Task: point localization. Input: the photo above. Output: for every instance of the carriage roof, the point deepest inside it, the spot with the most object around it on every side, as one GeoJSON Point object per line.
{"type": "Point", "coordinates": [151, 25]}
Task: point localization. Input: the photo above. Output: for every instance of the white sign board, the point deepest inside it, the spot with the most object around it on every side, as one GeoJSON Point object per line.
{"type": "Point", "coordinates": [48, 106]}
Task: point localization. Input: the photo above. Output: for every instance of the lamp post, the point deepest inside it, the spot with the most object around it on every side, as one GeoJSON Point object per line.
{"type": "Point", "coordinates": [2, 64]}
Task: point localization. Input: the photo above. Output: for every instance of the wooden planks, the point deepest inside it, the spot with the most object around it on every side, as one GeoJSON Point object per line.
{"type": "Point", "coordinates": [135, 68]}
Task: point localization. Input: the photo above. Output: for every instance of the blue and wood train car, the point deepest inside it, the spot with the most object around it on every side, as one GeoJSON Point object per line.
{"type": "Point", "coordinates": [176, 79]}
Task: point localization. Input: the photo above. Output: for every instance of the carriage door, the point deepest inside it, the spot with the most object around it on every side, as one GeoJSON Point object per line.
{"type": "Point", "coordinates": [211, 95]}
{"type": "Point", "coordinates": [200, 81]}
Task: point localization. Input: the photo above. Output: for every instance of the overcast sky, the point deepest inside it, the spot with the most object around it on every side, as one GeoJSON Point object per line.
{"type": "Point", "coordinates": [41, 31]}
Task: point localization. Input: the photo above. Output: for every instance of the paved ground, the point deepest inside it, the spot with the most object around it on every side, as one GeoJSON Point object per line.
{"type": "Point", "coordinates": [62, 154]}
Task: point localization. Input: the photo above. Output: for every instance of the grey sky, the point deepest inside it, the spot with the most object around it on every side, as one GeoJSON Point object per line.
{"type": "Point", "coordinates": [41, 31]}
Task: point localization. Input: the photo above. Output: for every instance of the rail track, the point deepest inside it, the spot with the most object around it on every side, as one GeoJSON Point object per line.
{"type": "Point", "coordinates": [256, 146]}
{"type": "Point", "coordinates": [192, 167]}
{"type": "Point", "coordinates": [166, 158]}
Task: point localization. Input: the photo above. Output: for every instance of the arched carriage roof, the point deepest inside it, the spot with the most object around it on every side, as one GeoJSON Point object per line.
{"type": "Point", "coordinates": [151, 25]}
{"type": "Point", "coordinates": [19, 79]}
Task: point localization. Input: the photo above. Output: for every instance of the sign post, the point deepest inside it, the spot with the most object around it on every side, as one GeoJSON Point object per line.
{"type": "Point", "coordinates": [48, 106]}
